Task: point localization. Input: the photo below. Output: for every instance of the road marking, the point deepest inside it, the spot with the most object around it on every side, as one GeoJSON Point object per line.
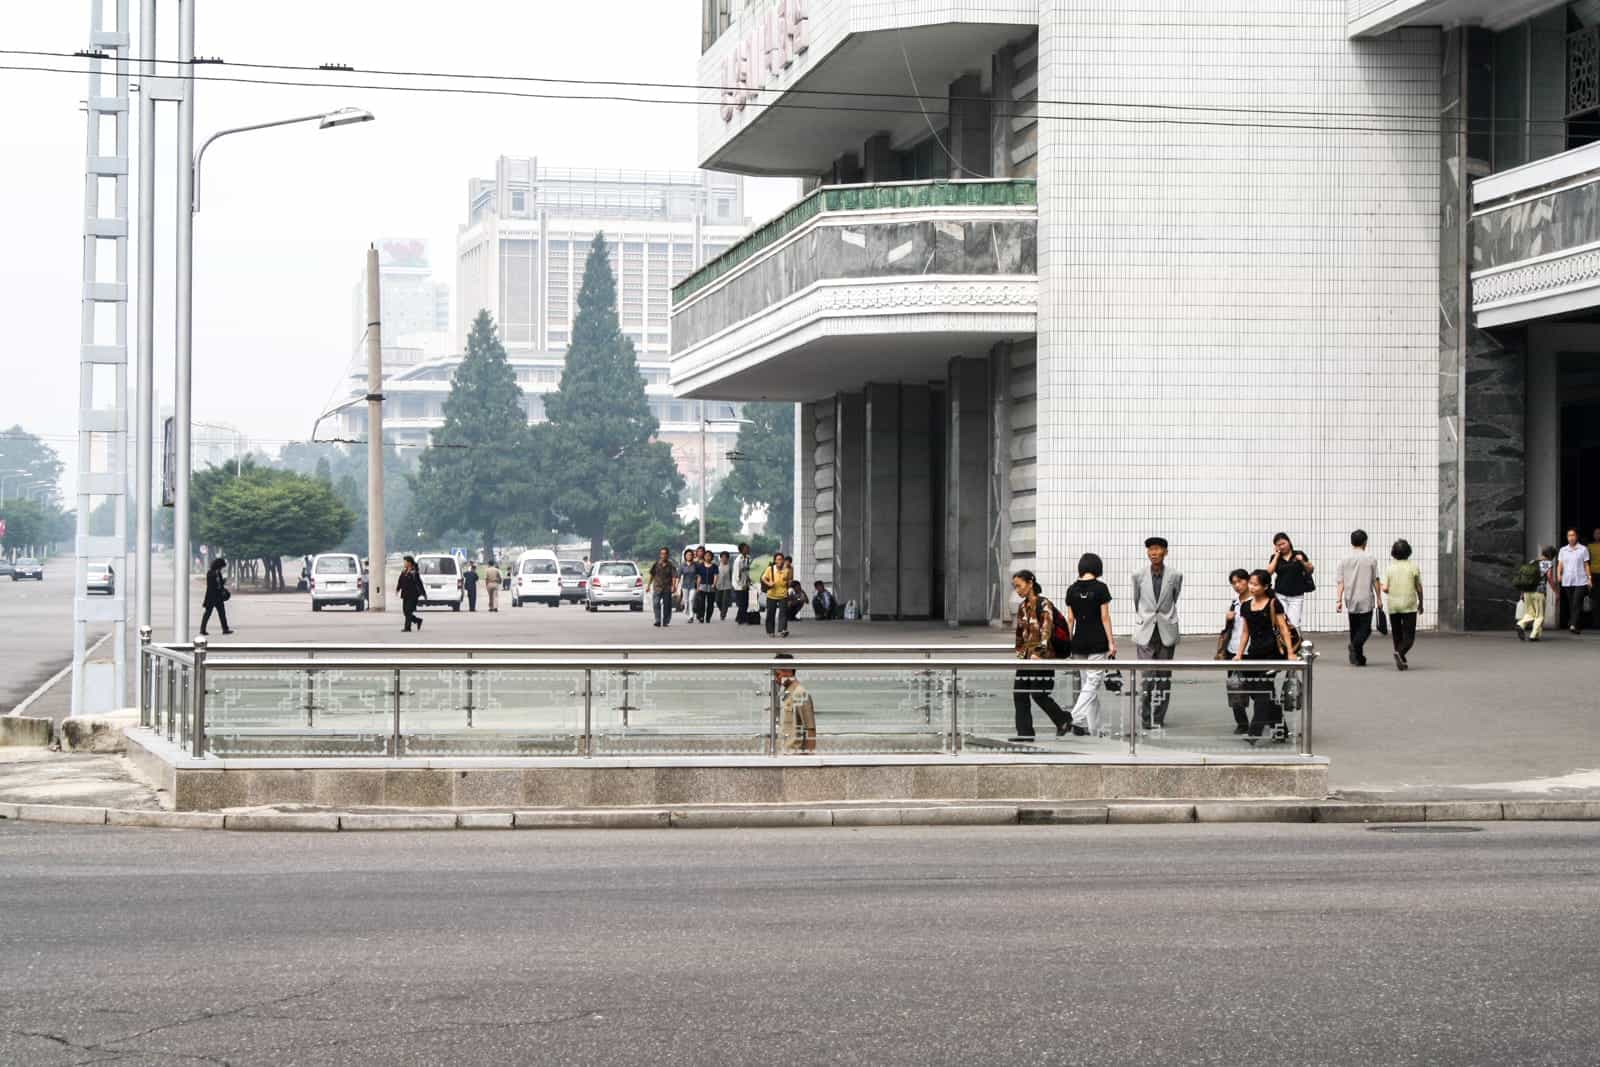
{"type": "Point", "coordinates": [28, 701]}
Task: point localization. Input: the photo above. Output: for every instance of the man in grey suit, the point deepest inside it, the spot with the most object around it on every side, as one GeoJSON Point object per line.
{"type": "Point", "coordinates": [1155, 631]}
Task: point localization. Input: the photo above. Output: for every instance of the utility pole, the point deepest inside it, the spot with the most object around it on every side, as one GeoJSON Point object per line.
{"type": "Point", "coordinates": [376, 584]}
{"type": "Point", "coordinates": [183, 364]}
{"type": "Point", "coordinates": [702, 472]}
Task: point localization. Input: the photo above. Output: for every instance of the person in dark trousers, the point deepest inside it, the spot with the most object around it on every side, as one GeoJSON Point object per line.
{"type": "Point", "coordinates": [705, 585]}
{"type": "Point", "coordinates": [1358, 595]}
{"type": "Point", "coordinates": [410, 589]}
{"type": "Point", "coordinates": [1156, 590]}
{"type": "Point", "coordinates": [741, 585]}
{"type": "Point", "coordinates": [1402, 584]}
{"type": "Point", "coordinates": [1232, 638]}
{"type": "Point", "coordinates": [663, 583]}
{"type": "Point", "coordinates": [776, 580]}
{"type": "Point", "coordinates": [470, 579]}
{"type": "Point", "coordinates": [1035, 626]}
{"type": "Point", "coordinates": [724, 586]}
{"type": "Point", "coordinates": [1266, 638]}
{"type": "Point", "coordinates": [216, 596]}
{"type": "Point", "coordinates": [823, 602]}
{"type": "Point", "coordinates": [1575, 579]}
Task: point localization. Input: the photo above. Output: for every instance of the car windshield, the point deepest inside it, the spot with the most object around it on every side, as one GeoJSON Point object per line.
{"type": "Point", "coordinates": [336, 565]}
{"type": "Point", "coordinates": [437, 565]}
{"type": "Point", "coordinates": [618, 570]}
{"type": "Point", "coordinates": [27, 561]}
{"type": "Point", "coordinates": [538, 566]}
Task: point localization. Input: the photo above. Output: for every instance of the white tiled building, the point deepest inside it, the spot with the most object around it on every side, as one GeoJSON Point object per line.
{"type": "Point", "coordinates": [1071, 273]}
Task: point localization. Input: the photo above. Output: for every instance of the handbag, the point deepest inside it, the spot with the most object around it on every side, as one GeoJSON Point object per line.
{"type": "Point", "coordinates": [1222, 642]}
{"type": "Point", "coordinates": [226, 594]}
{"type": "Point", "coordinates": [1382, 624]}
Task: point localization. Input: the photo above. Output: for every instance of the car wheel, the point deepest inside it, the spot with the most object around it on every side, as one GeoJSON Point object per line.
{"type": "Point", "coordinates": [636, 607]}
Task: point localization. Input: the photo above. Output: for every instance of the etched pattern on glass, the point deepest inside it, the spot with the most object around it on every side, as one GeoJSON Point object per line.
{"type": "Point", "coordinates": [271, 711]}
{"type": "Point", "coordinates": [687, 712]}
{"type": "Point", "coordinates": [492, 712]}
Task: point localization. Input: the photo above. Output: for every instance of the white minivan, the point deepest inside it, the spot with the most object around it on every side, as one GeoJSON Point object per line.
{"type": "Point", "coordinates": [538, 577]}
{"type": "Point", "coordinates": [337, 578]}
{"type": "Point", "coordinates": [441, 580]}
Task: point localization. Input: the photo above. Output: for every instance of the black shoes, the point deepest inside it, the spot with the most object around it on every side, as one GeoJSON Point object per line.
{"type": "Point", "coordinates": [1522, 635]}
{"type": "Point", "coordinates": [1241, 728]}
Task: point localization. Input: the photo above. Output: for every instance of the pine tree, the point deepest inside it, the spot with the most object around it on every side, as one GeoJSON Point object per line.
{"type": "Point", "coordinates": [477, 471]}
{"type": "Point", "coordinates": [605, 471]}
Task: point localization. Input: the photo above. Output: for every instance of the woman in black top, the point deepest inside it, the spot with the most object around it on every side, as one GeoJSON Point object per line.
{"type": "Point", "coordinates": [1291, 576]}
{"type": "Point", "coordinates": [1265, 626]}
{"type": "Point", "coordinates": [1089, 615]}
{"type": "Point", "coordinates": [216, 596]}
{"type": "Point", "coordinates": [410, 589]}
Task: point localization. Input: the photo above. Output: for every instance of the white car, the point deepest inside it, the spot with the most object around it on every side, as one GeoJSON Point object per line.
{"type": "Point", "coordinates": [615, 582]}
{"type": "Point", "coordinates": [336, 578]}
{"type": "Point", "coordinates": [100, 577]}
{"type": "Point", "coordinates": [537, 578]}
{"type": "Point", "coordinates": [441, 580]}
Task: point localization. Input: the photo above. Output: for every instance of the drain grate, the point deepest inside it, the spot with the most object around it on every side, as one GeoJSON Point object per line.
{"type": "Point", "coordinates": [1426, 828]}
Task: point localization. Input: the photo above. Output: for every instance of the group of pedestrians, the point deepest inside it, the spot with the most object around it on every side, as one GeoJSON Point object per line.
{"type": "Point", "coordinates": [1262, 625]}
{"type": "Point", "coordinates": [1567, 576]}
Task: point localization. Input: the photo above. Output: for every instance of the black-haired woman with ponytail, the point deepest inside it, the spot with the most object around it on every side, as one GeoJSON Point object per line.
{"type": "Point", "coordinates": [1036, 620]}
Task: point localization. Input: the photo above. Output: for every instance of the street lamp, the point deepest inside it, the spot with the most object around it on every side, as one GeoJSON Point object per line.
{"type": "Point", "coordinates": [188, 207]}
{"type": "Point", "coordinates": [704, 424]}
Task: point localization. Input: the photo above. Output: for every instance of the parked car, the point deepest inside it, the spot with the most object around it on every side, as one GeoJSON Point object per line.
{"type": "Point", "coordinates": [6, 569]}
{"type": "Point", "coordinates": [615, 582]}
{"type": "Point", "coordinates": [537, 577]}
{"type": "Point", "coordinates": [101, 578]}
{"type": "Point", "coordinates": [574, 581]}
{"type": "Point", "coordinates": [27, 567]}
{"type": "Point", "coordinates": [337, 578]}
{"type": "Point", "coordinates": [441, 580]}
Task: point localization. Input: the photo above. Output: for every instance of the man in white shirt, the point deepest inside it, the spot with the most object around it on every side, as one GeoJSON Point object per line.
{"type": "Point", "coordinates": [1575, 578]}
{"type": "Point", "coordinates": [1238, 687]}
{"type": "Point", "coordinates": [741, 585]}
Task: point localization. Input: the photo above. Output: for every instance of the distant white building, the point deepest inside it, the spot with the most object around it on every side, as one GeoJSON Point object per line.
{"type": "Point", "coordinates": [414, 309]}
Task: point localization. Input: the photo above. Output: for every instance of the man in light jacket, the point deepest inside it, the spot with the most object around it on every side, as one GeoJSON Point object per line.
{"type": "Point", "coordinates": [1156, 589]}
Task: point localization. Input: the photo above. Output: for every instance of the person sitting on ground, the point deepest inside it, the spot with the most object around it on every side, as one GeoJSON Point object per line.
{"type": "Point", "coordinates": [798, 727]}
{"type": "Point", "coordinates": [823, 602]}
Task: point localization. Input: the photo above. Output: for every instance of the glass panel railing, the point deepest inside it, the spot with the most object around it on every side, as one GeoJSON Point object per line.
{"type": "Point", "coordinates": [875, 712]}
{"type": "Point", "coordinates": [492, 712]}
{"type": "Point", "coordinates": [294, 712]}
{"type": "Point", "coordinates": [991, 721]}
{"type": "Point", "coordinates": [681, 712]}
{"type": "Point", "coordinates": [1215, 713]}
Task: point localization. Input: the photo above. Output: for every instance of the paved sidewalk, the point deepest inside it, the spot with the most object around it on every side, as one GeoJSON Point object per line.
{"type": "Point", "coordinates": [38, 776]}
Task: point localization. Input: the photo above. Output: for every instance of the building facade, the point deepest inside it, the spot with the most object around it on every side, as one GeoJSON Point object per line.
{"type": "Point", "coordinates": [1069, 274]}
{"type": "Point", "coordinates": [414, 309]}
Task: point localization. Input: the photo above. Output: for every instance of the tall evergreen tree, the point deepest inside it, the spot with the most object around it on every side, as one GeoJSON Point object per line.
{"type": "Point", "coordinates": [605, 471]}
{"type": "Point", "coordinates": [477, 469]}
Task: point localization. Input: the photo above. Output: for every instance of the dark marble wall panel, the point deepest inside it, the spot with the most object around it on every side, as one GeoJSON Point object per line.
{"type": "Point", "coordinates": [1496, 473]}
{"type": "Point", "coordinates": [1536, 227]}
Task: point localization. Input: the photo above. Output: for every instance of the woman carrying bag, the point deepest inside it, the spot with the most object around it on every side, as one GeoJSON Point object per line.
{"type": "Point", "coordinates": [1036, 624]}
{"type": "Point", "coordinates": [1266, 637]}
{"type": "Point", "coordinates": [776, 581]}
{"type": "Point", "coordinates": [217, 596]}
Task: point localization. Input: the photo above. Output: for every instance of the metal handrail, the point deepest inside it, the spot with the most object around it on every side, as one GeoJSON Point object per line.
{"type": "Point", "coordinates": [597, 649]}
{"type": "Point", "coordinates": [216, 662]}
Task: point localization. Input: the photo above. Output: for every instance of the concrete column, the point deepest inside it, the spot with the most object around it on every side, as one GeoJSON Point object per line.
{"type": "Point", "coordinates": [1542, 511]}
{"type": "Point", "coordinates": [969, 127]}
{"type": "Point", "coordinates": [914, 566]}
{"type": "Point", "coordinates": [846, 170]}
{"type": "Point", "coordinates": [1002, 81]}
{"type": "Point", "coordinates": [879, 163]}
{"type": "Point", "coordinates": [824, 425]}
{"type": "Point", "coordinates": [849, 500]}
{"type": "Point", "coordinates": [967, 475]}
{"type": "Point", "coordinates": [804, 537]}
{"type": "Point", "coordinates": [882, 510]}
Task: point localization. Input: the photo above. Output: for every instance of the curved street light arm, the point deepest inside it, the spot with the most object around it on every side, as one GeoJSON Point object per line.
{"type": "Point", "coordinates": [198, 156]}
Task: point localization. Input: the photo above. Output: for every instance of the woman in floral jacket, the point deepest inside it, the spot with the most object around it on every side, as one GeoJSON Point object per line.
{"type": "Point", "coordinates": [1035, 624]}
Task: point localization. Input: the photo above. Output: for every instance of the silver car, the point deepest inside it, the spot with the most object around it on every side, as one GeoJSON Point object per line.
{"type": "Point", "coordinates": [574, 582]}
{"type": "Point", "coordinates": [614, 583]}
{"type": "Point", "coordinates": [102, 578]}
{"type": "Point", "coordinates": [27, 567]}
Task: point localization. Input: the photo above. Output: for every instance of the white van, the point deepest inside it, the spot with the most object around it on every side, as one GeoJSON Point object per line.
{"type": "Point", "coordinates": [441, 579]}
{"type": "Point", "coordinates": [337, 578]}
{"type": "Point", "coordinates": [537, 577]}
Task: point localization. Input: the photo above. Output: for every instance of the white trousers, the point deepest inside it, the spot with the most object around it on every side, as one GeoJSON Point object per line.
{"type": "Point", "coordinates": [1086, 712]}
{"type": "Point", "coordinates": [1293, 607]}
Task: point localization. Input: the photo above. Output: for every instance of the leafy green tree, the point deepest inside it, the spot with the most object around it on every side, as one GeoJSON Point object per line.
{"type": "Point", "coordinates": [267, 514]}
{"type": "Point", "coordinates": [604, 470]}
{"type": "Point", "coordinates": [24, 453]}
{"type": "Point", "coordinates": [763, 474]}
{"type": "Point", "coordinates": [478, 471]}
{"type": "Point", "coordinates": [27, 524]}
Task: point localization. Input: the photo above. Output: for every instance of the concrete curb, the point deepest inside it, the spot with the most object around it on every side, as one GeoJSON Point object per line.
{"type": "Point", "coordinates": [25, 731]}
{"type": "Point", "coordinates": [1089, 814]}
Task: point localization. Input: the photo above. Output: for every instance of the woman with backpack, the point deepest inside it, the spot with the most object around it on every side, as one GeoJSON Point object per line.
{"type": "Point", "coordinates": [1089, 618]}
{"type": "Point", "coordinates": [1266, 637]}
{"type": "Point", "coordinates": [1035, 640]}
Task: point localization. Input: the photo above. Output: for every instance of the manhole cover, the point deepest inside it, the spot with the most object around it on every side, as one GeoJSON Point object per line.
{"type": "Point", "coordinates": [1441, 828]}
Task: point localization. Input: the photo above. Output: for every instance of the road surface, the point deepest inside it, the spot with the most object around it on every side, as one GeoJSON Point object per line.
{"type": "Point", "coordinates": [1183, 945]}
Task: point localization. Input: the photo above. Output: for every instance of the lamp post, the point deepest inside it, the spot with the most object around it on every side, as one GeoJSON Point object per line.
{"type": "Point", "coordinates": [705, 423]}
{"type": "Point", "coordinates": [188, 207]}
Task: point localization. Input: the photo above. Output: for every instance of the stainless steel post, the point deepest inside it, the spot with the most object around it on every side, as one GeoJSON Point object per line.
{"type": "Point", "coordinates": [1130, 711]}
{"type": "Point", "coordinates": [376, 583]}
{"type": "Point", "coordinates": [394, 744]}
{"type": "Point", "coordinates": [955, 712]}
{"type": "Point", "coordinates": [772, 715]}
{"type": "Point", "coordinates": [183, 374]}
{"type": "Point", "coordinates": [470, 673]}
{"type": "Point", "coordinates": [311, 694]}
{"type": "Point", "coordinates": [171, 699]}
{"type": "Point", "coordinates": [144, 674]}
{"type": "Point", "coordinates": [144, 316]}
{"type": "Point", "coordinates": [1308, 652]}
{"type": "Point", "coordinates": [588, 712]}
{"type": "Point", "coordinates": [197, 718]}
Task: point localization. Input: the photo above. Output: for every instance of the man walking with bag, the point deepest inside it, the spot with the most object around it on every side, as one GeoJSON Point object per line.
{"type": "Point", "coordinates": [741, 585]}
{"type": "Point", "coordinates": [1156, 589]}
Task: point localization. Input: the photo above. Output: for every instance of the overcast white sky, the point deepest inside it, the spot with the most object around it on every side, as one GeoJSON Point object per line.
{"type": "Point", "coordinates": [288, 213]}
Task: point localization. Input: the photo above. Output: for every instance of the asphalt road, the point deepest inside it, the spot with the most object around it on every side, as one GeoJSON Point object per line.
{"type": "Point", "coordinates": [1184, 945]}
{"type": "Point", "coordinates": [35, 630]}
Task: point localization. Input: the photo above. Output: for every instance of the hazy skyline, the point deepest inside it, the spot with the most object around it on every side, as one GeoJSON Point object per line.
{"type": "Point", "coordinates": [288, 213]}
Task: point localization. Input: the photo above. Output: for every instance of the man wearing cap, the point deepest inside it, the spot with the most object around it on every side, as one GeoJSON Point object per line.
{"type": "Point", "coordinates": [1156, 589]}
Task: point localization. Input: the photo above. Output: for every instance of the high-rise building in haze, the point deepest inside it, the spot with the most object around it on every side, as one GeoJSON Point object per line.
{"type": "Point", "coordinates": [415, 309]}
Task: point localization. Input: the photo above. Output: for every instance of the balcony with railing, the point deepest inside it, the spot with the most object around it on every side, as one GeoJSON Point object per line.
{"type": "Point", "coordinates": [859, 280]}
